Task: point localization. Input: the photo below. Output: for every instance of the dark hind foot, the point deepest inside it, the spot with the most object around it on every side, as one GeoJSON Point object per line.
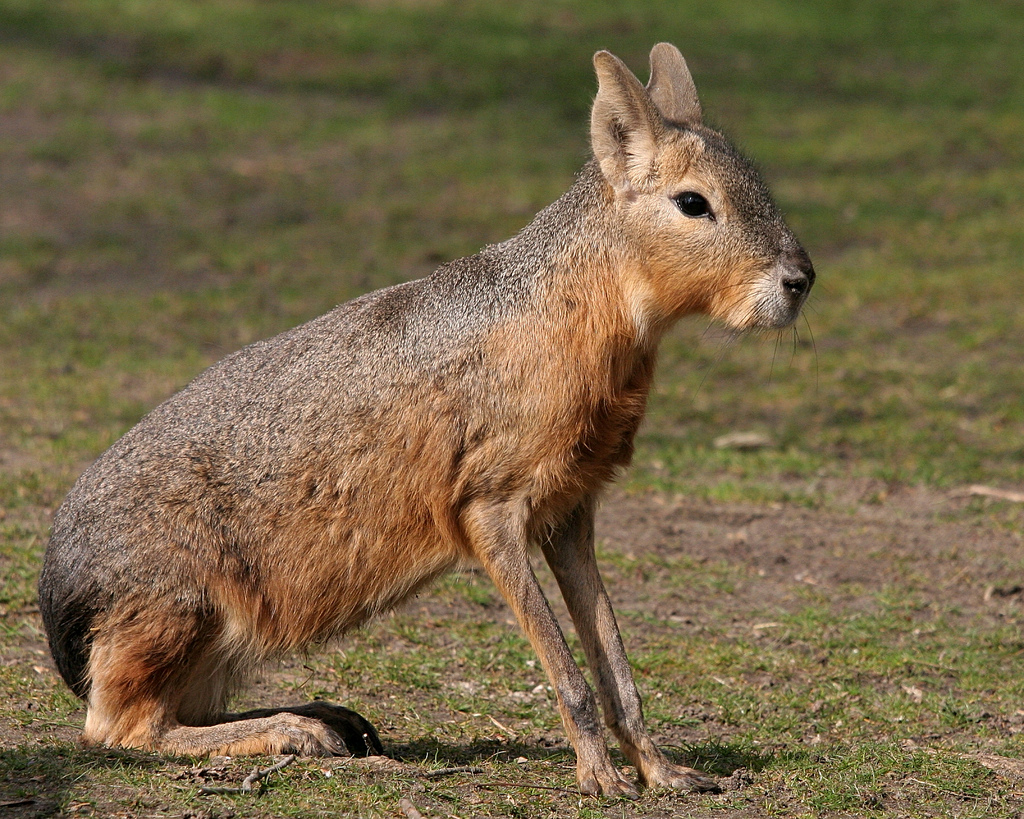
{"type": "Point", "coordinates": [359, 736]}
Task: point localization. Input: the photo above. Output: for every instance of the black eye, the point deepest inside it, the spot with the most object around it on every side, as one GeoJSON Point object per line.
{"type": "Point", "coordinates": [694, 205]}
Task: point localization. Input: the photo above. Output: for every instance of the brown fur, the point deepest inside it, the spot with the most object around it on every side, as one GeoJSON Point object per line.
{"type": "Point", "coordinates": [312, 481]}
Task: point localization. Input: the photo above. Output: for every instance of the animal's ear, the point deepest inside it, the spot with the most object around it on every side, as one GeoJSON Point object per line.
{"type": "Point", "coordinates": [625, 125]}
{"type": "Point", "coordinates": [671, 86]}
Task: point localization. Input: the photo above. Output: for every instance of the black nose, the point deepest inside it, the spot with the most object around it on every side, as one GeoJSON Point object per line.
{"type": "Point", "coordinates": [798, 279]}
{"type": "Point", "coordinates": [797, 284]}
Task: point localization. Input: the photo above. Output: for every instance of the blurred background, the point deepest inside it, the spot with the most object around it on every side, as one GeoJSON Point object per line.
{"type": "Point", "coordinates": [181, 177]}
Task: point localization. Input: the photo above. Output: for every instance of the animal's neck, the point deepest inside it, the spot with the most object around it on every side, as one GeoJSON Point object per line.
{"type": "Point", "coordinates": [587, 285]}
{"type": "Point", "coordinates": [577, 346]}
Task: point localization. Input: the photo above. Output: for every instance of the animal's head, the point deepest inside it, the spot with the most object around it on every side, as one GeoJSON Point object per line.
{"type": "Point", "coordinates": [697, 219]}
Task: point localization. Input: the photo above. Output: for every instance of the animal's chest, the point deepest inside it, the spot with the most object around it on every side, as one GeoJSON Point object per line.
{"type": "Point", "coordinates": [587, 444]}
{"type": "Point", "coordinates": [606, 440]}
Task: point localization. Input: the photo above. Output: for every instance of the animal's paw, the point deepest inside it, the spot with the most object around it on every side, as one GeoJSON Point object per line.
{"type": "Point", "coordinates": [604, 779]}
{"type": "Point", "coordinates": [322, 729]}
{"type": "Point", "coordinates": [663, 774]}
{"type": "Point", "coordinates": [359, 736]}
{"type": "Point", "coordinates": [306, 736]}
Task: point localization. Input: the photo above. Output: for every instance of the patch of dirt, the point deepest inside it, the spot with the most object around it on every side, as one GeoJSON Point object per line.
{"type": "Point", "coordinates": [912, 536]}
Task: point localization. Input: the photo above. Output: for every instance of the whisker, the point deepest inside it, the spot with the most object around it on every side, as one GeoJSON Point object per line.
{"type": "Point", "coordinates": [814, 349]}
{"type": "Point", "coordinates": [728, 339]}
{"type": "Point", "coordinates": [775, 352]}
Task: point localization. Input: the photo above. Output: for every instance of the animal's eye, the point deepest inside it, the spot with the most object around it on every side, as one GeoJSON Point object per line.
{"type": "Point", "coordinates": [693, 204]}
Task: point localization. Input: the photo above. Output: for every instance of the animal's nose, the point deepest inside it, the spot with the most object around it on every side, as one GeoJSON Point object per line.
{"type": "Point", "coordinates": [797, 280]}
{"type": "Point", "coordinates": [797, 284]}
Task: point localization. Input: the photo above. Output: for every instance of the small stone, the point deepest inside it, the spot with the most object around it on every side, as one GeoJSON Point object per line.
{"type": "Point", "coordinates": [744, 441]}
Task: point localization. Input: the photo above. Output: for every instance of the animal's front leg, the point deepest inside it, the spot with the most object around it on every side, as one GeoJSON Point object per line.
{"type": "Point", "coordinates": [570, 553]}
{"type": "Point", "coordinates": [497, 536]}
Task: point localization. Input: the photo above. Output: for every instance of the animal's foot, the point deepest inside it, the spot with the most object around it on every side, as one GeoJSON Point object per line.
{"type": "Point", "coordinates": [604, 779]}
{"type": "Point", "coordinates": [664, 774]}
{"type": "Point", "coordinates": [342, 731]}
{"type": "Point", "coordinates": [268, 734]}
{"type": "Point", "coordinates": [359, 735]}
{"type": "Point", "coordinates": [307, 737]}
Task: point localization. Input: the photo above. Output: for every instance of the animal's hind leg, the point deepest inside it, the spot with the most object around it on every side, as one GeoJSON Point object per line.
{"type": "Point", "coordinates": [150, 672]}
{"type": "Point", "coordinates": [281, 733]}
{"type": "Point", "coordinates": [139, 663]}
{"type": "Point", "coordinates": [206, 695]}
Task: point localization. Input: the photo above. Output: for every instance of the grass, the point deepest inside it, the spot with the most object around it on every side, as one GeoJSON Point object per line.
{"type": "Point", "coordinates": [181, 178]}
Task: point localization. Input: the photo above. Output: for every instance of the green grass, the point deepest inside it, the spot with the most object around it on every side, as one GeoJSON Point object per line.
{"type": "Point", "coordinates": [183, 177]}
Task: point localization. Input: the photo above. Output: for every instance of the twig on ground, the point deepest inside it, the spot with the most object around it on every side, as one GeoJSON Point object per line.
{"type": "Point", "coordinates": [937, 666]}
{"type": "Point", "coordinates": [409, 809]}
{"type": "Point", "coordinates": [461, 769]}
{"type": "Point", "coordinates": [256, 776]}
{"type": "Point", "coordinates": [992, 492]}
{"type": "Point", "coordinates": [940, 789]}
{"type": "Point", "coordinates": [504, 728]}
{"type": "Point", "coordinates": [497, 783]}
